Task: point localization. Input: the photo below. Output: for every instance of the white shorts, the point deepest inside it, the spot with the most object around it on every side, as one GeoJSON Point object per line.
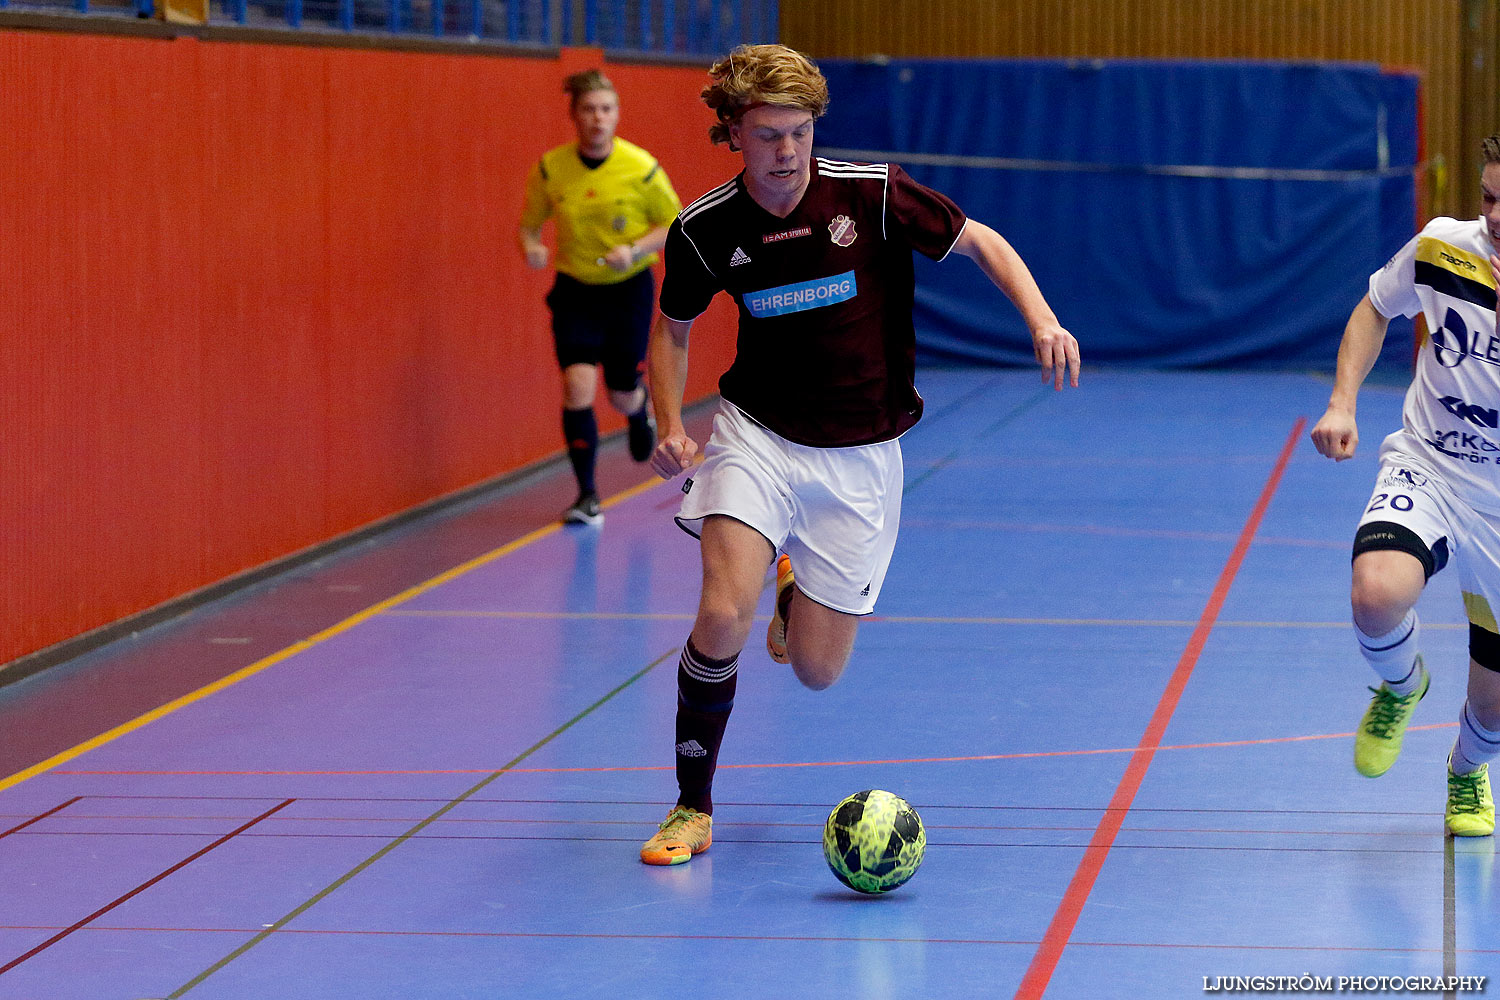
{"type": "Point", "coordinates": [1410, 495]}
{"type": "Point", "coordinates": [835, 511]}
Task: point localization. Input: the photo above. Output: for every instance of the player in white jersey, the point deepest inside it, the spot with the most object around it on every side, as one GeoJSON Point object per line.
{"type": "Point", "coordinates": [1438, 493]}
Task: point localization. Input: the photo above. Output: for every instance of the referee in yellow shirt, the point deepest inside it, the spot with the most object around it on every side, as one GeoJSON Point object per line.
{"type": "Point", "coordinates": [612, 204]}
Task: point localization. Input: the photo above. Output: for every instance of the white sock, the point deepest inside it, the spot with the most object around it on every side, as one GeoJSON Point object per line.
{"type": "Point", "coordinates": [1476, 745]}
{"type": "Point", "coordinates": [1394, 655]}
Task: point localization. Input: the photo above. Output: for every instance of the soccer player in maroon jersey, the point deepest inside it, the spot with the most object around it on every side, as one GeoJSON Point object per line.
{"type": "Point", "coordinates": [803, 458]}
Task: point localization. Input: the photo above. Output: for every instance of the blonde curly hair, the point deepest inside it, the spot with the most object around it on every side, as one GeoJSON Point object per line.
{"type": "Point", "coordinates": [753, 75]}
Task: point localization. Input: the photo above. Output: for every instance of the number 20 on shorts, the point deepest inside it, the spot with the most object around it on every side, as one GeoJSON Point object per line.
{"type": "Point", "coordinates": [1399, 501]}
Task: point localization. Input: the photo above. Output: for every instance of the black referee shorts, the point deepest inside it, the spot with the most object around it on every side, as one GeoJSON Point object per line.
{"type": "Point", "coordinates": [605, 325]}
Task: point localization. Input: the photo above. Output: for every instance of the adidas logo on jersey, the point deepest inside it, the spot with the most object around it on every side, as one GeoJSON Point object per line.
{"type": "Point", "coordinates": [740, 257]}
{"type": "Point", "coordinates": [691, 749]}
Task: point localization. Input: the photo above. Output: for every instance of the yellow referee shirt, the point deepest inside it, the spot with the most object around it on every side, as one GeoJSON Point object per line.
{"type": "Point", "coordinates": [619, 201]}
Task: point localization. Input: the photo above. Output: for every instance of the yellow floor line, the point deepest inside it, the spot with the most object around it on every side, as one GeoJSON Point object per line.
{"type": "Point", "coordinates": [295, 648]}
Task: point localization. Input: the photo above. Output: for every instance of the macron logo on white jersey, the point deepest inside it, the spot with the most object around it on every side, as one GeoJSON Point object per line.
{"type": "Point", "coordinates": [740, 257]}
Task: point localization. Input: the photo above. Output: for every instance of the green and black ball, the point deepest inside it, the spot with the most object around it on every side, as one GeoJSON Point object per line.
{"type": "Point", "coordinates": [874, 841]}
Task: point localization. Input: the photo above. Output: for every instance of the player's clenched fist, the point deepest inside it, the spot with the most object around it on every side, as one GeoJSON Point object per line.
{"type": "Point", "coordinates": [1335, 436]}
{"type": "Point", "coordinates": [673, 454]}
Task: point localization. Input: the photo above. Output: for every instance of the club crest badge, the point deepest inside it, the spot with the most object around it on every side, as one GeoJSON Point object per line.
{"type": "Point", "coordinates": [841, 230]}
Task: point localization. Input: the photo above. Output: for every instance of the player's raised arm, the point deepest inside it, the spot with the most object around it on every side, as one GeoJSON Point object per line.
{"type": "Point", "coordinates": [667, 363]}
{"type": "Point", "coordinates": [1056, 349]}
{"type": "Point", "coordinates": [1336, 434]}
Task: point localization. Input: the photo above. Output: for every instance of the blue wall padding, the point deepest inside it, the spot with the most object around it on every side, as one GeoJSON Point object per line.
{"type": "Point", "coordinates": [1147, 268]}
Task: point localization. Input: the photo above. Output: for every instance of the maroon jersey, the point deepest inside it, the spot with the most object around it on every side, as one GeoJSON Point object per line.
{"type": "Point", "coordinates": [826, 350]}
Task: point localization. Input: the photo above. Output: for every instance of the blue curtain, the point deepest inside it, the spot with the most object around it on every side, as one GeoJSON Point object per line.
{"type": "Point", "coordinates": [1174, 213]}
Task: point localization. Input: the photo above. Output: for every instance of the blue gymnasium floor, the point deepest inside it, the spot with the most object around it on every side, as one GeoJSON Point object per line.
{"type": "Point", "coordinates": [1111, 667]}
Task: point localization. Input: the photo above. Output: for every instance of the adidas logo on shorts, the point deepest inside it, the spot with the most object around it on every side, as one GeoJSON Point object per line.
{"type": "Point", "coordinates": [691, 749]}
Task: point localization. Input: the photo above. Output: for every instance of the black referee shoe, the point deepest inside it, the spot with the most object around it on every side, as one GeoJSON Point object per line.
{"type": "Point", "coordinates": [643, 435]}
{"type": "Point", "coordinates": [585, 510]}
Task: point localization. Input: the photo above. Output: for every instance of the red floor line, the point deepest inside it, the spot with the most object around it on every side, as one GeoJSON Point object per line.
{"type": "Point", "coordinates": [934, 806]}
{"type": "Point", "coordinates": [634, 823]}
{"type": "Point", "coordinates": [37, 819]}
{"type": "Point", "coordinates": [570, 935]}
{"type": "Point", "coordinates": [1114, 530]}
{"type": "Point", "coordinates": [142, 887]}
{"type": "Point", "coordinates": [800, 843]}
{"type": "Point", "coordinates": [1060, 930]}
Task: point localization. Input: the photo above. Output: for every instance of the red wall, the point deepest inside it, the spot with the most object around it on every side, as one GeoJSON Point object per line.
{"type": "Point", "coordinates": [255, 296]}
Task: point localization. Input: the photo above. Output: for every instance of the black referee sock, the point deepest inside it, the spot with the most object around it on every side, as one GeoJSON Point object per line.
{"type": "Point", "coordinates": [581, 431]}
{"type": "Point", "coordinates": [705, 697]}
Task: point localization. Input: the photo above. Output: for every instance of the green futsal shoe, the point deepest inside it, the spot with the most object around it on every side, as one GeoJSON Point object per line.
{"type": "Point", "coordinates": [1378, 742]}
{"type": "Point", "coordinates": [1471, 807]}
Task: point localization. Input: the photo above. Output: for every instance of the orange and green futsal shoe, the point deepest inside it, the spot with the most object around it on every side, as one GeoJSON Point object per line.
{"type": "Point", "coordinates": [1471, 807]}
{"type": "Point", "coordinates": [684, 833]}
{"type": "Point", "coordinates": [776, 634]}
{"type": "Point", "coordinates": [1378, 742]}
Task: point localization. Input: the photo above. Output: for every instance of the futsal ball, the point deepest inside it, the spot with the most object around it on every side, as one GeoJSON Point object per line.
{"type": "Point", "coordinates": [874, 841]}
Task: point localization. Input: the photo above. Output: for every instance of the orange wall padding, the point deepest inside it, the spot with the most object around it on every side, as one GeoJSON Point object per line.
{"type": "Point", "coordinates": [255, 296]}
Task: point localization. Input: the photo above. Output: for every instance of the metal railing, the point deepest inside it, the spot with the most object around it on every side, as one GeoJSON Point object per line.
{"type": "Point", "coordinates": [670, 27]}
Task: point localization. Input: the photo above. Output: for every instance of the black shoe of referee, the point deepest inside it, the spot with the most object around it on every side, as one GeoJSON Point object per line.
{"type": "Point", "coordinates": [585, 510]}
{"type": "Point", "coordinates": [643, 433]}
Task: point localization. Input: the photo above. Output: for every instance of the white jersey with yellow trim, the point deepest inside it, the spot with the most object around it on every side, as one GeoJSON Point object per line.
{"type": "Point", "coordinates": [1451, 418]}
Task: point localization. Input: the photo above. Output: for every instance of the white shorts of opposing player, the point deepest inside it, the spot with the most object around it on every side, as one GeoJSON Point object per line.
{"type": "Point", "coordinates": [835, 511]}
{"type": "Point", "coordinates": [1407, 492]}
